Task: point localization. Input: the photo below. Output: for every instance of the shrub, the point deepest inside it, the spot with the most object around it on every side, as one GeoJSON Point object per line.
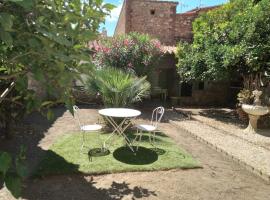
{"type": "Point", "coordinates": [117, 88]}
{"type": "Point", "coordinates": [132, 52]}
{"type": "Point", "coordinates": [230, 40]}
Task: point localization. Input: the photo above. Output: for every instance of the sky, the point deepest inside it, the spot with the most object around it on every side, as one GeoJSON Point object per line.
{"type": "Point", "coordinates": [183, 6]}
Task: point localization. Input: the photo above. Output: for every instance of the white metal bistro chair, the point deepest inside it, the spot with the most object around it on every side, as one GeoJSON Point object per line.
{"type": "Point", "coordinates": [152, 128]}
{"type": "Point", "coordinates": [85, 127]}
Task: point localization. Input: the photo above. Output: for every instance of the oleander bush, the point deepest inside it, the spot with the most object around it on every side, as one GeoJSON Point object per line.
{"type": "Point", "coordinates": [132, 52]}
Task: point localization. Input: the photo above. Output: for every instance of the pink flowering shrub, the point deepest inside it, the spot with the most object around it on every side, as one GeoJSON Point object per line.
{"type": "Point", "coordinates": [133, 52]}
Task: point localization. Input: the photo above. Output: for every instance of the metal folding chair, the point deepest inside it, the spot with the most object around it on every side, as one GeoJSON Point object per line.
{"type": "Point", "coordinates": [152, 128]}
{"type": "Point", "coordinates": [84, 128]}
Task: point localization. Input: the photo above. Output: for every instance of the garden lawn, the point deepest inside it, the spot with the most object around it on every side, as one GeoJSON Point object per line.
{"type": "Point", "coordinates": [64, 156]}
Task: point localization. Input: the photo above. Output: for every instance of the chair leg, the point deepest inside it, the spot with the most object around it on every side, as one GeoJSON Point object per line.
{"type": "Point", "coordinates": [141, 136]}
{"type": "Point", "coordinates": [83, 141]}
{"type": "Point", "coordinates": [102, 145]}
{"type": "Point", "coordinates": [135, 139]}
{"type": "Point", "coordinates": [82, 144]}
{"type": "Point", "coordinates": [152, 139]}
{"type": "Point", "coordinates": [140, 139]}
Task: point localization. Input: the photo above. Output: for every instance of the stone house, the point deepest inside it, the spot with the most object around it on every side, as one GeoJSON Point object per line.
{"type": "Point", "coordinates": [160, 19]}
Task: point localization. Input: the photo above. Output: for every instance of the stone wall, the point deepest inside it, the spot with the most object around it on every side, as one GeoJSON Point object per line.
{"type": "Point", "coordinates": [153, 17]}
{"type": "Point", "coordinates": [121, 23]}
{"type": "Point", "coordinates": [159, 19]}
{"type": "Point", "coordinates": [213, 94]}
{"type": "Point", "coordinates": [183, 26]}
{"type": "Point", "coordinates": [183, 23]}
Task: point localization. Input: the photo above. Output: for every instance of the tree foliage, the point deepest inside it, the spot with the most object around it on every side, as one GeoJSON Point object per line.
{"type": "Point", "coordinates": [45, 40]}
{"type": "Point", "coordinates": [12, 175]}
{"type": "Point", "coordinates": [135, 51]}
{"type": "Point", "coordinates": [232, 39]}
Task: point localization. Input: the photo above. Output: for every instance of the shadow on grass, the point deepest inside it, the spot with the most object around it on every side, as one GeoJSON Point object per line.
{"type": "Point", "coordinates": [52, 162]}
{"type": "Point", "coordinates": [143, 156]}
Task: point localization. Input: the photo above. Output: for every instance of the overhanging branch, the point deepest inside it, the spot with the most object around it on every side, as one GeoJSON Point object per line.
{"type": "Point", "coordinates": [5, 93]}
{"type": "Point", "coordinates": [11, 76]}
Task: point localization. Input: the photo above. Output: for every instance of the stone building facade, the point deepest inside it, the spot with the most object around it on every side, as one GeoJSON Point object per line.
{"type": "Point", "coordinates": [157, 18]}
{"type": "Point", "coordinates": [161, 20]}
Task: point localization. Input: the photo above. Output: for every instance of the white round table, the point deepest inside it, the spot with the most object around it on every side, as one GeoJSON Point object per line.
{"type": "Point", "coordinates": [120, 112]}
{"type": "Point", "coordinates": [126, 114]}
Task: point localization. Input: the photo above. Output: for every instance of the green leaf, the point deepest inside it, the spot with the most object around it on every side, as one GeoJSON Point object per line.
{"type": "Point", "coordinates": [59, 39]}
{"type": "Point", "coordinates": [69, 105]}
{"type": "Point", "coordinates": [99, 2]}
{"type": "Point", "coordinates": [46, 103]}
{"type": "Point", "coordinates": [21, 168]}
{"type": "Point", "coordinates": [88, 36]}
{"type": "Point", "coordinates": [6, 21]}
{"type": "Point", "coordinates": [34, 43]}
{"type": "Point", "coordinates": [5, 162]}
{"type": "Point", "coordinates": [38, 74]}
{"type": "Point", "coordinates": [6, 37]}
{"type": "Point", "coordinates": [15, 0]}
{"type": "Point", "coordinates": [13, 183]}
{"type": "Point", "coordinates": [109, 6]}
{"type": "Point", "coordinates": [26, 4]}
{"type": "Point", "coordinates": [50, 115]}
{"type": "Point", "coordinates": [22, 83]}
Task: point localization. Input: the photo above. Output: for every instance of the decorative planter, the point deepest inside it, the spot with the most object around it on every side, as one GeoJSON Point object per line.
{"type": "Point", "coordinates": [242, 115]}
{"type": "Point", "coordinates": [254, 112]}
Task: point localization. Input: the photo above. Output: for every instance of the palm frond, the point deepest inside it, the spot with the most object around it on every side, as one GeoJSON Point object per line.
{"type": "Point", "coordinates": [118, 88]}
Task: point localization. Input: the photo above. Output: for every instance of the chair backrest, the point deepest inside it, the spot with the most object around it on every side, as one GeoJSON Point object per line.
{"type": "Point", "coordinates": [157, 115]}
{"type": "Point", "coordinates": [76, 115]}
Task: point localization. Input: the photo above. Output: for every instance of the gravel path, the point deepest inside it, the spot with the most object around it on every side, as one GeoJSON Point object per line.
{"type": "Point", "coordinates": [220, 177]}
{"type": "Point", "coordinates": [252, 154]}
{"type": "Point", "coordinates": [262, 139]}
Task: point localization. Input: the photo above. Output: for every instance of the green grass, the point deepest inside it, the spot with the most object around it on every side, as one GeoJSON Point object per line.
{"type": "Point", "coordinates": [64, 156]}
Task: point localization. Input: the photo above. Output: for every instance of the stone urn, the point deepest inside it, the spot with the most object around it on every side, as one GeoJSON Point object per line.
{"type": "Point", "coordinates": [254, 112]}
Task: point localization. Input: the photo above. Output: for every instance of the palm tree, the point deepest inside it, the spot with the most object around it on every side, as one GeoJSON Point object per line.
{"type": "Point", "coordinates": [118, 88]}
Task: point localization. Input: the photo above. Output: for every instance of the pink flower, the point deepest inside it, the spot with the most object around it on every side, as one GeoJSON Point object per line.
{"type": "Point", "coordinates": [126, 42]}
{"type": "Point", "coordinates": [106, 49]}
{"type": "Point", "coordinates": [97, 48]}
{"type": "Point", "coordinates": [156, 43]}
